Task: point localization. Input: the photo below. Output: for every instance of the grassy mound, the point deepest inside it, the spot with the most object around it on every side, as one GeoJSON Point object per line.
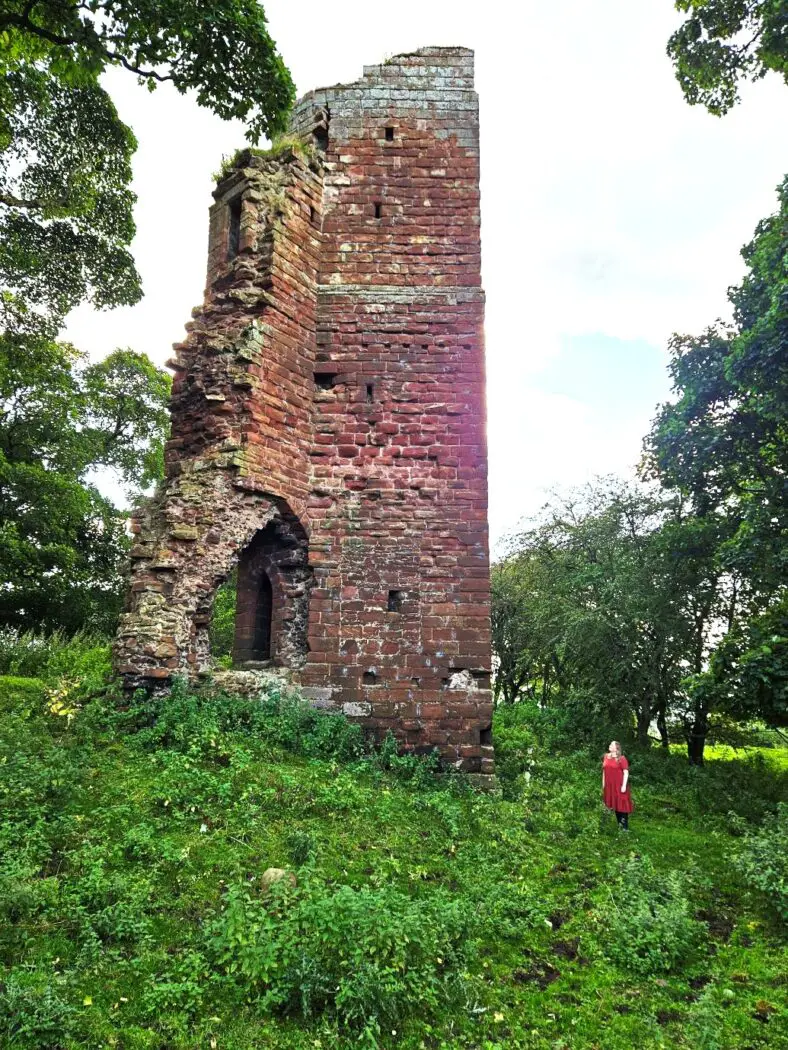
{"type": "Point", "coordinates": [133, 912]}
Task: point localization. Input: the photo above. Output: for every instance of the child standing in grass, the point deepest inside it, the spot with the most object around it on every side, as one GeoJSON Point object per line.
{"type": "Point", "coordinates": [615, 784]}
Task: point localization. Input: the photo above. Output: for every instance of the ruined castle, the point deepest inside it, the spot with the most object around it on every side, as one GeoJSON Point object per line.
{"type": "Point", "coordinates": [328, 430]}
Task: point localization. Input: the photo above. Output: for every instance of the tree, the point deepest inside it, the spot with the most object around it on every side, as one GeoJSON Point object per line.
{"type": "Point", "coordinates": [724, 445]}
{"type": "Point", "coordinates": [724, 41]}
{"type": "Point", "coordinates": [610, 601]}
{"type": "Point", "coordinates": [219, 48]}
{"type": "Point", "coordinates": [61, 542]}
{"type": "Point", "coordinates": [65, 156]}
{"type": "Point", "coordinates": [524, 627]}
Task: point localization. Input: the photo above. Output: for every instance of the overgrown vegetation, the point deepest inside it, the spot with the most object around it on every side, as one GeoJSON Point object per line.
{"type": "Point", "coordinates": [133, 840]}
{"type": "Point", "coordinates": [281, 144]}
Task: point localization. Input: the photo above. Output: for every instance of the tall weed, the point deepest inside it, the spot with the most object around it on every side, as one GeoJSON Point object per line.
{"type": "Point", "coordinates": [647, 918]}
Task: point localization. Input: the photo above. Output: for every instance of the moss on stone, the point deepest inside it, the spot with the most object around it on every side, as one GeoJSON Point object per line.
{"type": "Point", "coordinates": [279, 148]}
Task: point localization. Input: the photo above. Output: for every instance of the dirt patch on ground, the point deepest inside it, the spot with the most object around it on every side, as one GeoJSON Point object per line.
{"type": "Point", "coordinates": [667, 1016]}
{"type": "Point", "coordinates": [557, 919]}
{"type": "Point", "coordinates": [567, 949]}
{"type": "Point", "coordinates": [720, 925]}
{"type": "Point", "coordinates": [541, 973]}
{"type": "Point", "coordinates": [763, 1011]}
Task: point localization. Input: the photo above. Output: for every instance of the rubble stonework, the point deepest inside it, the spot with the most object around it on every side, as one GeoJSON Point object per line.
{"type": "Point", "coordinates": [328, 420]}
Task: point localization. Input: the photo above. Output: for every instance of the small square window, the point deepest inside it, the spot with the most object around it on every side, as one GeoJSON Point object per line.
{"type": "Point", "coordinates": [389, 134]}
{"type": "Point", "coordinates": [395, 602]}
{"type": "Point", "coordinates": [325, 380]}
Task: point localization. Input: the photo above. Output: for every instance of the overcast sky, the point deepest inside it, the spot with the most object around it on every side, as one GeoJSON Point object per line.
{"type": "Point", "coordinates": [612, 212]}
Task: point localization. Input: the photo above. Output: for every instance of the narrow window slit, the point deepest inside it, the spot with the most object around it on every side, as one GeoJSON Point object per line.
{"type": "Point", "coordinates": [378, 209]}
{"type": "Point", "coordinates": [389, 134]}
{"type": "Point", "coordinates": [395, 601]}
{"type": "Point", "coordinates": [370, 393]}
{"type": "Point", "coordinates": [234, 228]}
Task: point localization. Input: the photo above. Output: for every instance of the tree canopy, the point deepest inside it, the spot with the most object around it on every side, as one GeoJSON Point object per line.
{"type": "Point", "coordinates": [61, 418]}
{"type": "Point", "coordinates": [66, 206]}
{"type": "Point", "coordinates": [724, 445]}
{"type": "Point", "coordinates": [722, 42]}
{"type": "Point", "coordinates": [221, 49]}
{"type": "Point", "coordinates": [604, 607]}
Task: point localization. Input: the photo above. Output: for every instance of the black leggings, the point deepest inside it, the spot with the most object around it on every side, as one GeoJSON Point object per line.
{"type": "Point", "coordinates": [623, 820]}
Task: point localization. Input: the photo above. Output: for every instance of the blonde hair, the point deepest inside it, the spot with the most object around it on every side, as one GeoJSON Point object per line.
{"type": "Point", "coordinates": [617, 746]}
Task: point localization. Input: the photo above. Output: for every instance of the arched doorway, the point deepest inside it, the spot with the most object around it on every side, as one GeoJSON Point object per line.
{"type": "Point", "coordinates": [272, 598]}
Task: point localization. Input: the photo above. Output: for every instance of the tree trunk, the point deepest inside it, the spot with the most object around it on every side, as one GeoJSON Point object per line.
{"type": "Point", "coordinates": [696, 738]}
{"type": "Point", "coordinates": [662, 726]}
{"type": "Point", "coordinates": [695, 746]}
{"type": "Point", "coordinates": [644, 721]}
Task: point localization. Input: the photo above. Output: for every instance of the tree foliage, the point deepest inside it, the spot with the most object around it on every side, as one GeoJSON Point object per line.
{"type": "Point", "coordinates": [723, 444]}
{"type": "Point", "coordinates": [722, 42]}
{"type": "Point", "coordinates": [66, 218]}
{"type": "Point", "coordinates": [221, 49]}
{"type": "Point", "coordinates": [61, 542]}
{"type": "Point", "coordinates": [606, 606]}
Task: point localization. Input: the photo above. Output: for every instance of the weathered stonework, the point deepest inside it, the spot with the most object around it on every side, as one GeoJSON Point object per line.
{"type": "Point", "coordinates": [328, 420]}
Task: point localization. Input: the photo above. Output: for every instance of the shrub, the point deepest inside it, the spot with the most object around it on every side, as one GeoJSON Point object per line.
{"type": "Point", "coordinates": [32, 1014]}
{"type": "Point", "coordinates": [763, 861]}
{"type": "Point", "coordinates": [648, 920]}
{"type": "Point", "coordinates": [370, 957]}
{"type": "Point", "coordinates": [195, 723]}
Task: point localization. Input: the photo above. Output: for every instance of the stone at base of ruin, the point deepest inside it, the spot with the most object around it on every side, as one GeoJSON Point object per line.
{"type": "Point", "coordinates": [328, 433]}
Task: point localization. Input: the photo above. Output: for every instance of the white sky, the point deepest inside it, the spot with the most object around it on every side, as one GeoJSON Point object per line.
{"type": "Point", "coordinates": [612, 212]}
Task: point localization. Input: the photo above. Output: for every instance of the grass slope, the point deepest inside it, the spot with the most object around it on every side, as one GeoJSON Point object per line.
{"type": "Point", "coordinates": [132, 912]}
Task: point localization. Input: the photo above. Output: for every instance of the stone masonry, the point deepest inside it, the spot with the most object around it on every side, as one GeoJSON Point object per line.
{"type": "Point", "coordinates": [328, 421]}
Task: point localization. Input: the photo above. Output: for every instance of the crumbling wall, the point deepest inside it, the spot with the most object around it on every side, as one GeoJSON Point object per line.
{"type": "Point", "coordinates": [331, 393]}
{"type": "Point", "coordinates": [238, 458]}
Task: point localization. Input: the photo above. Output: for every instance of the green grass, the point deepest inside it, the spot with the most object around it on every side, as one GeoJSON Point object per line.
{"type": "Point", "coordinates": [132, 844]}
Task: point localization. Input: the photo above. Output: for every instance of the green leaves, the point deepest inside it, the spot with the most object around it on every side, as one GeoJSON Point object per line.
{"type": "Point", "coordinates": [221, 49]}
{"type": "Point", "coordinates": [724, 446]}
{"type": "Point", "coordinates": [61, 542]}
{"type": "Point", "coordinates": [723, 42]}
{"type": "Point", "coordinates": [66, 218]}
{"type": "Point", "coordinates": [65, 206]}
{"type": "Point", "coordinates": [603, 607]}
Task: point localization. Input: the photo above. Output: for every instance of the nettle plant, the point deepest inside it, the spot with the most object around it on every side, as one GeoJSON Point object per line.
{"type": "Point", "coordinates": [764, 860]}
{"type": "Point", "coordinates": [649, 918]}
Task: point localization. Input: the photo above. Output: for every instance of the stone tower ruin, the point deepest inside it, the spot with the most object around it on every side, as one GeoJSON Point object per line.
{"type": "Point", "coordinates": [328, 430]}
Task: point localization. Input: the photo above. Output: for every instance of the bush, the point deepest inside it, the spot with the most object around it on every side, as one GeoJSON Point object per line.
{"type": "Point", "coordinates": [764, 860]}
{"type": "Point", "coordinates": [79, 664]}
{"type": "Point", "coordinates": [196, 723]}
{"type": "Point", "coordinates": [370, 957]}
{"type": "Point", "coordinates": [648, 919]}
{"type": "Point", "coordinates": [32, 1014]}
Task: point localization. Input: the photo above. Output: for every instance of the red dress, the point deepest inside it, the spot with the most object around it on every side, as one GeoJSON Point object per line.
{"type": "Point", "coordinates": [614, 797]}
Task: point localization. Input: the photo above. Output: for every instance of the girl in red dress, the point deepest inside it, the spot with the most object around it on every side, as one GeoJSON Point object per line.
{"type": "Point", "coordinates": [615, 784]}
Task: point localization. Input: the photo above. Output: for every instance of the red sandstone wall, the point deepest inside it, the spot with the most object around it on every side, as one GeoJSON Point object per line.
{"type": "Point", "coordinates": [399, 497]}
